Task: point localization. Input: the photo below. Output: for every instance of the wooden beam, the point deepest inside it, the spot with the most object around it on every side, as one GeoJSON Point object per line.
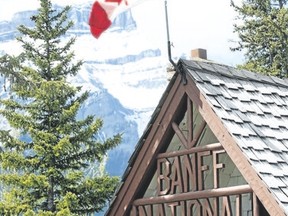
{"type": "Point", "coordinates": [210, 147]}
{"type": "Point", "coordinates": [198, 134]}
{"type": "Point", "coordinates": [180, 135]}
{"type": "Point", "coordinates": [193, 195]}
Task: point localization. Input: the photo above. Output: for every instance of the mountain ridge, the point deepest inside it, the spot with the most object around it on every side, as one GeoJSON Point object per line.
{"type": "Point", "coordinates": [124, 73]}
{"type": "Point", "coordinates": [78, 13]}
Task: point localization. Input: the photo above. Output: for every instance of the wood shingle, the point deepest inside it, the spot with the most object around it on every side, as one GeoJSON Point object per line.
{"type": "Point", "coordinates": [262, 105]}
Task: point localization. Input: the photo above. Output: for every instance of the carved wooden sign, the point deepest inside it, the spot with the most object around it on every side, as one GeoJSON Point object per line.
{"type": "Point", "coordinates": [197, 207]}
{"type": "Point", "coordinates": [188, 180]}
{"type": "Point", "coordinates": [182, 189]}
{"type": "Point", "coordinates": [185, 173]}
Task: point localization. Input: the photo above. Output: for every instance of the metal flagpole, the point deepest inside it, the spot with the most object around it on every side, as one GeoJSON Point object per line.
{"type": "Point", "coordinates": [169, 48]}
{"type": "Point", "coordinates": [168, 36]}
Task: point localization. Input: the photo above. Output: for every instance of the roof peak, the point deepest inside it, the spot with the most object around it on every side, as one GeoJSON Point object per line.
{"type": "Point", "coordinates": [218, 69]}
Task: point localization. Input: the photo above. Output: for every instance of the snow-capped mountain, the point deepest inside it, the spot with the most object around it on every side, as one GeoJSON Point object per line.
{"type": "Point", "coordinates": [125, 74]}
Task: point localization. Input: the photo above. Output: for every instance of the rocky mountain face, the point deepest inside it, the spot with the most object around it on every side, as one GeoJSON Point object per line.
{"type": "Point", "coordinates": [124, 73]}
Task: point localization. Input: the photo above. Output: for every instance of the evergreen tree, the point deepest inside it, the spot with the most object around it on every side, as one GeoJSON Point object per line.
{"type": "Point", "coordinates": [45, 153]}
{"type": "Point", "coordinates": [263, 34]}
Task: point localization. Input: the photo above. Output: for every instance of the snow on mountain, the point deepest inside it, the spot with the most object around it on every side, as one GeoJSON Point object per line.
{"type": "Point", "coordinates": [124, 72]}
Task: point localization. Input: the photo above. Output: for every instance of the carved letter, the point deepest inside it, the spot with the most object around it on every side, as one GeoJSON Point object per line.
{"type": "Point", "coordinates": [193, 208]}
{"type": "Point", "coordinates": [164, 170]}
{"type": "Point", "coordinates": [183, 208]}
{"type": "Point", "coordinates": [202, 168]}
{"type": "Point", "coordinates": [217, 166]}
{"type": "Point", "coordinates": [239, 205]}
{"type": "Point", "coordinates": [189, 173]}
{"type": "Point", "coordinates": [226, 207]}
{"type": "Point", "coordinates": [173, 208]}
{"type": "Point", "coordinates": [161, 210]}
{"type": "Point", "coordinates": [142, 211]}
{"type": "Point", "coordinates": [207, 210]}
{"type": "Point", "coordinates": [176, 178]}
{"type": "Point", "coordinates": [133, 211]}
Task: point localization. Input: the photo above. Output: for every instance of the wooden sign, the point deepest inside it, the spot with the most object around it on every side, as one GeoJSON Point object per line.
{"type": "Point", "coordinates": [182, 188]}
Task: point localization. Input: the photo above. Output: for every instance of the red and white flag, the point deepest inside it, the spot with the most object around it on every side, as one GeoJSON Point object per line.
{"type": "Point", "coordinates": [104, 11]}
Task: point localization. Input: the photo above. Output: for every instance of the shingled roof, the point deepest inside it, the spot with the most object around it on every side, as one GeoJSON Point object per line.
{"type": "Point", "coordinates": [248, 113]}
{"type": "Point", "coordinates": [254, 110]}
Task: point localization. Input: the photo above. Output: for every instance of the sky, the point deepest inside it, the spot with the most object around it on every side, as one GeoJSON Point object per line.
{"type": "Point", "coordinates": [9, 7]}
{"type": "Point", "coordinates": [206, 24]}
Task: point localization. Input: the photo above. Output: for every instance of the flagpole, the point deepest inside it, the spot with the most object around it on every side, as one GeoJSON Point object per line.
{"type": "Point", "coordinates": [168, 36]}
{"type": "Point", "coordinates": [183, 77]}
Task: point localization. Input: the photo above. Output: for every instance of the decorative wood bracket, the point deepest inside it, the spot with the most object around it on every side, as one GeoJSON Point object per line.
{"type": "Point", "coordinates": [192, 137]}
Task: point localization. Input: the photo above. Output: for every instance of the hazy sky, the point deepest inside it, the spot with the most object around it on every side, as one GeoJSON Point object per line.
{"type": "Point", "coordinates": [193, 23]}
{"type": "Point", "coordinates": [8, 7]}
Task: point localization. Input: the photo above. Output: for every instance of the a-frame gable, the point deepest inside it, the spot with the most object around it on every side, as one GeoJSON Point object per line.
{"type": "Point", "coordinates": [144, 157]}
{"type": "Point", "coordinates": [146, 164]}
{"type": "Point", "coordinates": [199, 178]}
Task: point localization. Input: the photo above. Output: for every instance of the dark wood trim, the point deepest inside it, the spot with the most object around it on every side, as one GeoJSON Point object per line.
{"type": "Point", "coordinates": [255, 205]}
{"type": "Point", "coordinates": [233, 150]}
{"type": "Point", "coordinates": [189, 121]}
{"type": "Point", "coordinates": [180, 135]}
{"type": "Point", "coordinates": [218, 192]}
{"type": "Point", "coordinates": [198, 134]}
{"type": "Point", "coordinates": [210, 147]}
{"type": "Point", "coordinates": [192, 138]}
{"type": "Point", "coordinates": [147, 154]}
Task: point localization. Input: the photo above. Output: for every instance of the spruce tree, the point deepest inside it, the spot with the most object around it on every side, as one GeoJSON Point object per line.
{"type": "Point", "coordinates": [263, 35]}
{"type": "Point", "coordinates": [46, 151]}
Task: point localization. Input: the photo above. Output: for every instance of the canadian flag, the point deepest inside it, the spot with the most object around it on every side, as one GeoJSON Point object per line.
{"type": "Point", "coordinates": [104, 11]}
